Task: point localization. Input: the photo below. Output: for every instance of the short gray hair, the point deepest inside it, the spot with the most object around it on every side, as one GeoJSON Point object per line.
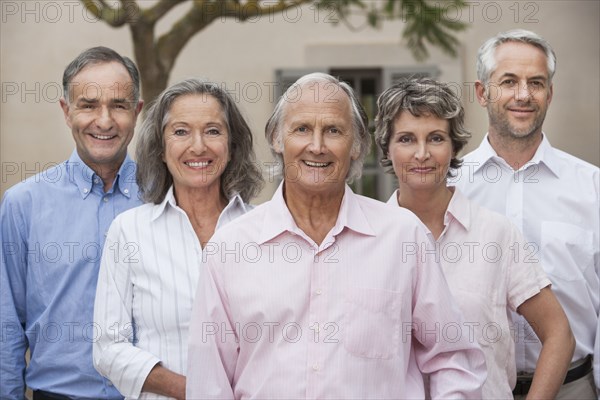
{"type": "Point", "coordinates": [362, 138]}
{"type": "Point", "coordinates": [420, 96]}
{"type": "Point", "coordinates": [99, 55]}
{"type": "Point", "coordinates": [241, 175]}
{"type": "Point", "coordinates": [486, 56]}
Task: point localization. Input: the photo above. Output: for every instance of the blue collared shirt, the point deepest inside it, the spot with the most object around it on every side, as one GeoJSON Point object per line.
{"type": "Point", "coordinates": [53, 228]}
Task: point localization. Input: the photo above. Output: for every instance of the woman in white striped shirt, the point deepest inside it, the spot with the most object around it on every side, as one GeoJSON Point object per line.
{"type": "Point", "coordinates": [196, 172]}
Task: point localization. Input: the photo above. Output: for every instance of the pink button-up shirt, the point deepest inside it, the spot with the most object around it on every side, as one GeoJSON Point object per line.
{"type": "Point", "coordinates": [490, 269]}
{"type": "Point", "coordinates": [554, 200]}
{"type": "Point", "coordinates": [359, 316]}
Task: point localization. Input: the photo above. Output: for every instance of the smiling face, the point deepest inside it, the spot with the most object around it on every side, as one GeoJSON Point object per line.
{"type": "Point", "coordinates": [519, 91]}
{"type": "Point", "coordinates": [420, 150]}
{"type": "Point", "coordinates": [317, 140]}
{"type": "Point", "coordinates": [196, 143]}
{"type": "Point", "coordinates": [101, 113]}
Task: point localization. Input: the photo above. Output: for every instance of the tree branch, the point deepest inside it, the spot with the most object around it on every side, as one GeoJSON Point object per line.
{"type": "Point", "coordinates": [253, 8]}
{"type": "Point", "coordinates": [101, 10]}
{"type": "Point", "coordinates": [425, 24]}
{"type": "Point", "coordinates": [160, 9]}
{"type": "Point", "coordinates": [171, 43]}
{"type": "Point", "coordinates": [132, 11]}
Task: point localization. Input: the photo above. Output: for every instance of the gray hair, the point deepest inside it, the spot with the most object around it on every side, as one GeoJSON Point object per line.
{"type": "Point", "coordinates": [241, 175]}
{"type": "Point", "coordinates": [99, 55]}
{"type": "Point", "coordinates": [362, 139]}
{"type": "Point", "coordinates": [486, 57]}
{"type": "Point", "coordinates": [420, 97]}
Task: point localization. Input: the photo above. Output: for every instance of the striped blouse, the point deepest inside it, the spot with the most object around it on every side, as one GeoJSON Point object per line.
{"type": "Point", "coordinates": [148, 278]}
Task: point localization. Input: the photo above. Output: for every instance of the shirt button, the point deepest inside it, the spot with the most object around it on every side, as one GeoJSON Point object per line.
{"type": "Point", "coordinates": [85, 190]}
{"type": "Point", "coordinates": [105, 199]}
{"type": "Point", "coordinates": [125, 191]}
{"type": "Point", "coordinates": [96, 180]}
{"type": "Point", "coordinates": [319, 291]}
{"type": "Point", "coordinates": [315, 367]}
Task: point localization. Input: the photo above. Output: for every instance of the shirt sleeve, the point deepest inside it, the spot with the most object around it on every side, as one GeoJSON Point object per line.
{"type": "Point", "coordinates": [596, 367]}
{"type": "Point", "coordinates": [115, 354]}
{"type": "Point", "coordinates": [597, 359]}
{"type": "Point", "coordinates": [526, 278]}
{"type": "Point", "coordinates": [213, 344]}
{"type": "Point", "coordinates": [447, 349]}
{"type": "Point", "coordinates": [13, 293]}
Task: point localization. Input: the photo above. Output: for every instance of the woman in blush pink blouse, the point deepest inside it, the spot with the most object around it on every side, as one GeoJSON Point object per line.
{"type": "Point", "coordinates": [489, 267]}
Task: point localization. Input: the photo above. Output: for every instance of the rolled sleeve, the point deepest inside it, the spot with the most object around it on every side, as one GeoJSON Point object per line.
{"type": "Point", "coordinates": [526, 278]}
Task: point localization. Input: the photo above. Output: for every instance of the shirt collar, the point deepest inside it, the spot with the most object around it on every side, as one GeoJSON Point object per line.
{"type": "Point", "coordinates": [393, 200]}
{"type": "Point", "coordinates": [279, 219]}
{"type": "Point", "coordinates": [458, 209]}
{"type": "Point", "coordinates": [235, 203]}
{"type": "Point", "coordinates": [485, 152]}
{"type": "Point", "coordinates": [351, 215]}
{"type": "Point", "coordinates": [85, 178]}
{"type": "Point", "coordinates": [544, 154]}
{"type": "Point", "coordinates": [80, 174]}
{"type": "Point", "coordinates": [126, 180]}
{"type": "Point", "coordinates": [160, 208]}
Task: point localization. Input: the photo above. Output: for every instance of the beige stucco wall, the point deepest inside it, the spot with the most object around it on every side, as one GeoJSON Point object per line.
{"type": "Point", "coordinates": [37, 40]}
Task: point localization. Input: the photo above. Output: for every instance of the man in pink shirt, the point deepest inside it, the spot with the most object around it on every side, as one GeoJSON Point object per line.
{"type": "Point", "coordinates": [321, 293]}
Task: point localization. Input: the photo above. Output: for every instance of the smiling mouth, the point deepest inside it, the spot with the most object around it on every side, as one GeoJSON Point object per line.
{"type": "Point", "coordinates": [103, 137]}
{"type": "Point", "coordinates": [520, 110]}
{"type": "Point", "coordinates": [422, 170]}
{"type": "Point", "coordinates": [314, 164]}
{"type": "Point", "coordinates": [197, 164]}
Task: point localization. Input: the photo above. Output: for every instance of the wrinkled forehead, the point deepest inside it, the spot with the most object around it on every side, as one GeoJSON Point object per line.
{"type": "Point", "coordinates": [195, 107]}
{"type": "Point", "coordinates": [102, 80]}
{"type": "Point", "coordinates": [319, 99]}
{"type": "Point", "coordinates": [517, 57]}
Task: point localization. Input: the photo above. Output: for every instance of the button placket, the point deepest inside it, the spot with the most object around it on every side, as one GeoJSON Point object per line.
{"type": "Point", "coordinates": [317, 352]}
{"type": "Point", "coordinates": [514, 210]}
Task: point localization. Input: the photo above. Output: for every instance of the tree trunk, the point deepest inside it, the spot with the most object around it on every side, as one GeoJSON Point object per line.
{"type": "Point", "coordinates": [154, 74]}
{"type": "Point", "coordinates": [153, 86]}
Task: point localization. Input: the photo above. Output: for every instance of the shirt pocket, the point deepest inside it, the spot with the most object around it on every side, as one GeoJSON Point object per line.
{"type": "Point", "coordinates": [372, 323]}
{"type": "Point", "coordinates": [567, 250]}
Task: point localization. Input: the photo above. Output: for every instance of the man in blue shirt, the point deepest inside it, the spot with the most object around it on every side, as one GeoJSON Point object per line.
{"type": "Point", "coordinates": [53, 227]}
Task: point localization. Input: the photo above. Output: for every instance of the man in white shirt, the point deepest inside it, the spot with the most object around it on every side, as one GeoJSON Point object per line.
{"type": "Point", "coordinates": [550, 195]}
{"type": "Point", "coordinates": [597, 359]}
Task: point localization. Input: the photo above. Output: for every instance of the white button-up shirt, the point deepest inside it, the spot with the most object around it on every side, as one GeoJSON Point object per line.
{"type": "Point", "coordinates": [357, 317]}
{"type": "Point", "coordinates": [597, 360]}
{"type": "Point", "coordinates": [554, 200]}
{"type": "Point", "coordinates": [148, 278]}
{"type": "Point", "coordinates": [489, 270]}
